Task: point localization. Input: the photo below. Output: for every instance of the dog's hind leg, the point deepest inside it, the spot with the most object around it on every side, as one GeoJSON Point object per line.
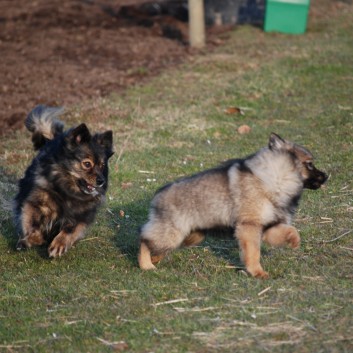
{"type": "Point", "coordinates": [65, 239]}
{"type": "Point", "coordinates": [32, 237]}
{"type": "Point", "coordinates": [145, 258]}
{"type": "Point", "coordinates": [157, 239]}
{"type": "Point", "coordinates": [193, 239]}
{"type": "Point", "coordinates": [281, 235]}
{"type": "Point", "coordinates": [30, 232]}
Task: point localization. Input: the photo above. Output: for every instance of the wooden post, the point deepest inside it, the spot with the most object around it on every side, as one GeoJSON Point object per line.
{"type": "Point", "coordinates": [196, 23]}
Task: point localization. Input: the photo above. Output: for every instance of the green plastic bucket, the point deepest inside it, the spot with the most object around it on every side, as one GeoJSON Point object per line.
{"type": "Point", "coordinates": [286, 16]}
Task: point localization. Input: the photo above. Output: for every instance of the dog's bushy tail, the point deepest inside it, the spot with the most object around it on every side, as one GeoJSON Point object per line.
{"type": "Point", "coordinates": [42, 122]}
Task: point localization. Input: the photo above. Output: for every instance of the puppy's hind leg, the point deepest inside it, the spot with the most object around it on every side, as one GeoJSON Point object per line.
{"type": "Point", "coordinates": [194, 238]}
{"type": "Point", "coordinates": [144, 257]}
{"type": "Point", "coordinates": [31, 237]}
{"type": "Point", "coordinates": [30, 228]}
{"type": "Point", "coordinates": [157, 239]}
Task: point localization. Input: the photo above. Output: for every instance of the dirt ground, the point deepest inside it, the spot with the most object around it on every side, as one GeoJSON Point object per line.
{"type": "Point", "coordinates": [62, 51]}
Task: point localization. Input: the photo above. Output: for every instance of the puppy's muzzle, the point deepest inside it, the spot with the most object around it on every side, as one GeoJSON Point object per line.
{"type": "Point", "coordinates": [316, 180]}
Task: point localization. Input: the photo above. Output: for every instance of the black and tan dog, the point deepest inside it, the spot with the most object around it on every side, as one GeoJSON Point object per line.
{"type": "Point", "coordinates": [63, 187]}
{"type": "Point", "coordinates": [257, 196]}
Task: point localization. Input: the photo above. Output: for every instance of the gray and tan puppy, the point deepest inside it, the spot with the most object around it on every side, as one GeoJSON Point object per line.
{"type": "Point", "coordinates": [257, 196]}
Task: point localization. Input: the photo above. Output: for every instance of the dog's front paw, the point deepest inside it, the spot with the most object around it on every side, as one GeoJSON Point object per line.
{"type": "Point", "coordinates": [257, 272]}
{"type": "Point", "coordinates": [58, 247]}
{"type": "Point", "coordinates": [261, 274]}
{"type": "Point", "coordinates": [293, 238]}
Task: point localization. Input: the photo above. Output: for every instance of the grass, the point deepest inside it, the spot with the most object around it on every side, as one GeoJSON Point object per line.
{"type": "Point", "coordinates": [95, 299]}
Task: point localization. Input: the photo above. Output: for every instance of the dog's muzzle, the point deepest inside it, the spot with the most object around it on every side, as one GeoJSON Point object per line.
{"type": "Point", "coordinates": [316, 180]}
{"type": "Point", "coordinates": [90, 189]}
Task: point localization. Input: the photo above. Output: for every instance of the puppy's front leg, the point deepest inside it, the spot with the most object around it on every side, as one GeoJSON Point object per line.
{"type": "Point", "coordinates": [282, 234]}
{"type": "Point", "coordinates": [249, 238]}
{"type": "Point", "coordinates": [65, 239]}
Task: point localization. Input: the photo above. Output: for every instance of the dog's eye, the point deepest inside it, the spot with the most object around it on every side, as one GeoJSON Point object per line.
{"type": "Point", "coordinates": [86, 164]}
{"type": "Point", "coordinates": [310, 165]}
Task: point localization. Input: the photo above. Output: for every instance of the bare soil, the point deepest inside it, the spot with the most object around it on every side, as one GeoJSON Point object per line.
{"type": "Point", "coordinates": [62, 51]}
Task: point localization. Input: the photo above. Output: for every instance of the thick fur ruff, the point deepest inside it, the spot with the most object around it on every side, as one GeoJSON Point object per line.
{"type": "Point", "coordinates": [64, 185]}
{"type": "Point", "coordinates": [256, 196]}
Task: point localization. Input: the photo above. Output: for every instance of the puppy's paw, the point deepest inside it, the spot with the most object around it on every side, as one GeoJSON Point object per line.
{"type": "Point", "coordinates": [147, 267]}
{"type": "Point", "coordinates": [282, 235]}
{"type": "Point", "coordinates": [258, 272]}
{"type": "Point", "coordinates": [31, 238]}
{"type": "Point", "coordinates": [293, 238]}
{"type": "Point", "coordinates": [58, 247]}
{"type": "Point", "coordinates": [261, 274]}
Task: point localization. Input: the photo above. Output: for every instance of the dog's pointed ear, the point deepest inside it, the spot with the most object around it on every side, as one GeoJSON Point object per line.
{"type": "Point", "coordinates": [276, 142]}
{"type": "Point", "coordinates": [79, 134]}
{"type": "Point", "coordinates": [105, 139]}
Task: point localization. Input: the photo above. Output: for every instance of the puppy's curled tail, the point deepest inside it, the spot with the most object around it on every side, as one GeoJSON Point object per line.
{"type": "Point", "coordinates": [42, 122]}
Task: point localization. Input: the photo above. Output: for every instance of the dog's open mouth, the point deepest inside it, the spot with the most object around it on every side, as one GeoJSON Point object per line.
{"type": "Point", "coordinates": [88, 188]}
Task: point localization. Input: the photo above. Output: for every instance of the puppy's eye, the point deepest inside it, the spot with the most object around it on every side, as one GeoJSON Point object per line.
{"type": "Point", "coordinates": [87, 164]}
{"type": "Point", "coordinates": [310, 165]}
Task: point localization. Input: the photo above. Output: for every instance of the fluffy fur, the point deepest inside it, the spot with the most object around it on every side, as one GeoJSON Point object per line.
{"type": "Point", "coordinates": [256, 196]}
{"type": "Point", "coordinates": [64, 185]}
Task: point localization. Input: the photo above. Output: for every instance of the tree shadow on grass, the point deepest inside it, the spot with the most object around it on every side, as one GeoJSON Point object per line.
{"type": "Point", "coordinates": [8, 189]}
{"type": "Point", "coordinates": [222, 243]}
{"type": "Point", "coordinates": [128, 218]}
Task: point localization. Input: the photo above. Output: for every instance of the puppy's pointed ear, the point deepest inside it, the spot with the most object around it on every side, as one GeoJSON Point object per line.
{"type": "Point", "coordinates": [276, 142]}
{"type": "Point", "coordinates": [79, 135]}
{"type": "Point", "coordinates": [105, 139]}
